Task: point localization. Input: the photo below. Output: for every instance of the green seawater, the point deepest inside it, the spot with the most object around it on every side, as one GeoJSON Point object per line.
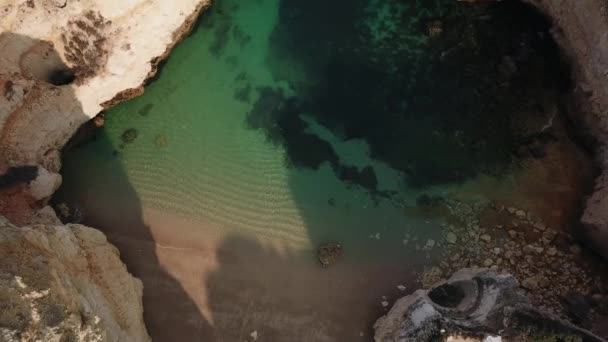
{"type": "Point", "coordinates": [295, 123]}
{"type": "Point", "coordinates": [195, 155]}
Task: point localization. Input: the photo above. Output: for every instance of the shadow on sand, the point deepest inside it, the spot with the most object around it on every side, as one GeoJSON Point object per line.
{"type": "Point", "coordinates": [169, 312]}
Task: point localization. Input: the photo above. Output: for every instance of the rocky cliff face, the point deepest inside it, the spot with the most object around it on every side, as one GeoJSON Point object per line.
{"type": "Point", "coordinates": [65, 283]}
{"type": "Point", "coordinates": [581, 28]}
{"type": "Point", "coordinates": [62, 62]}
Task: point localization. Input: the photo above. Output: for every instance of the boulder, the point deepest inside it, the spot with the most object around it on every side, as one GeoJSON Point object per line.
{"type": "Point", "coordinates": [480, 302]}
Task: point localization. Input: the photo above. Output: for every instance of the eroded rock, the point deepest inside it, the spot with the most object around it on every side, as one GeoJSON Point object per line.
{"type": "Point", "coordinates": [63, 62]}
{"type": "Point", "coordinates": [480, 302]}
{"type": "Point", "coordinates": [66, 283]}
{"type": "Point", "coordinates": [329, 253]}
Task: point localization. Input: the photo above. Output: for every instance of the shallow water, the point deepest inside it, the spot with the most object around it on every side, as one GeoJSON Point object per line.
{"type": "Point", "coordinates": [279, 125]}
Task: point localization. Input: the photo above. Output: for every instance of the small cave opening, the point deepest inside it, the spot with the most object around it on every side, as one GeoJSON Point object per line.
{"type": "Point", "coordinates": [447, 295]}
{"type": "Point", "coordinates": [43, 62]}
{"type": "Point", "coordinates": [60, 77]}
{"type": "Point", "coordinates": [18, 174]}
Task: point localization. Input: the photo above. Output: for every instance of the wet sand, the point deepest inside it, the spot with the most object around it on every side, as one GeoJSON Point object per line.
{"type": "Point", "coordinates": [235, 286]}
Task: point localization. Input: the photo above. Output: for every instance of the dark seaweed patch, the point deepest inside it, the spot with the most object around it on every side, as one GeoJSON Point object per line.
{"type": "Point", "coordinates": [435, 102]}
{"type": "Point", "coordinates": [145, 110]}
{"type": "Point", "coordinates": [279, 117]}
{"type": "Point", "coordinates": [240, 36]}
{"type": "Point", "coordinates": [243, 94]}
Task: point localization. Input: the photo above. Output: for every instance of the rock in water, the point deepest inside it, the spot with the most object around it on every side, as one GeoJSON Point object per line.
{"type": "Point", "coordinates": [329, 253]}
{"type": "Point", "coordinates": [161, 141]}
{"type": "Point", "coordinates": [129, 135]}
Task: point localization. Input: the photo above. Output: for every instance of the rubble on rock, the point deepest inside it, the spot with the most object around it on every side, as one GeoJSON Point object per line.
{"type": "Point", "coordinates": [474, 302]}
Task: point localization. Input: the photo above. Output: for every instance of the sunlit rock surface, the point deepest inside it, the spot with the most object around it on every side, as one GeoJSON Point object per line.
{"type": "Point", "coordinates": [60, 283]}
{"type": "Point", "coordinates": [581, 28]}
{"type": "Point", "coordinates": [64, 61]}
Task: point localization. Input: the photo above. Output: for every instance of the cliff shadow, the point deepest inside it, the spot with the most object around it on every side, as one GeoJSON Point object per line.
{"type": "Point", "coordinates": [112, 205]}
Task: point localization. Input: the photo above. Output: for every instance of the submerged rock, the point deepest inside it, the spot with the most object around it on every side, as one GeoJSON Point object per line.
{"type": "Point", "coordinates": [129, 135]}
{"type": "Point", "coordinates": [434, 28]}
{"type": "Point", "coordinates": [161, 141]}
{"type": "Point", "coordinates": [329, 253]}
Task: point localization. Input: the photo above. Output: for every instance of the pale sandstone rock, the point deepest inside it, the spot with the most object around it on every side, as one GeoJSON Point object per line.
{"type": "Point", "coordinates": [46, 215]}
{"type": "Point", "coordinates": [111, 46]}
{"type": "Point", "coordinates": [66, 282]}
{"type": "Point", "coordinates": [45, 184]}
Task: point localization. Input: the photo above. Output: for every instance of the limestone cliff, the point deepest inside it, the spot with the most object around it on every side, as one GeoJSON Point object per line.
{"type": "Point", "coordinates": [63, 61]}
{"type": "Point", "coordinates": [581, 28]}
{"type": "Point", "coordinates": [65, 283]}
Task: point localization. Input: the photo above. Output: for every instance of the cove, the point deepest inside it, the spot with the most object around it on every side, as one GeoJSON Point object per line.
{"type": "Point", "coordinates": [280, 125]}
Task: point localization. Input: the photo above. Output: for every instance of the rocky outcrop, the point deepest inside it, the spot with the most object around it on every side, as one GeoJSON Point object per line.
{"type": "Point", "coordinates": [65, 283]}
{"type": "Point", "coordinates": [474, 302]}
{"type": "Point", "coordinates": [64, 61]}
{"type": "Point", "coordinates": [581, 28]}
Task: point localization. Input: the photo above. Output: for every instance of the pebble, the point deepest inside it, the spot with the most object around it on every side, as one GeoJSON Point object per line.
{"type": "Point", "coordinates": [451, 238]}
{"type": "Point", "coordinates": [520, 213]}
{"type": "Point", "coordinates": [254, 335]}
{"type": "Point", "coordinates": [529, 249]}
{"type": "Point", "coordinates": [401, 287]}
{"type": "Point", "coordinates": [530, 283]}
{"type": "Point", "coordinates": [384, 303]}
{"type": "Point", "coordinates": [552, 251]}
{"type": "Point", "coordinates": [488, 262]}
{"type": "Point", "coordinates": [496, 250]}
{"type": "Point", "coordinates": [430, 243]}
{"type": "Point", "coordinates": [486, 238]}
{"type": "Point", "coordinates": [575, 249]}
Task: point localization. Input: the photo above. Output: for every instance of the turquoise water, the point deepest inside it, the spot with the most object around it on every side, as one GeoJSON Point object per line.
{"type": "Point", "coordinates": [279, 125]}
